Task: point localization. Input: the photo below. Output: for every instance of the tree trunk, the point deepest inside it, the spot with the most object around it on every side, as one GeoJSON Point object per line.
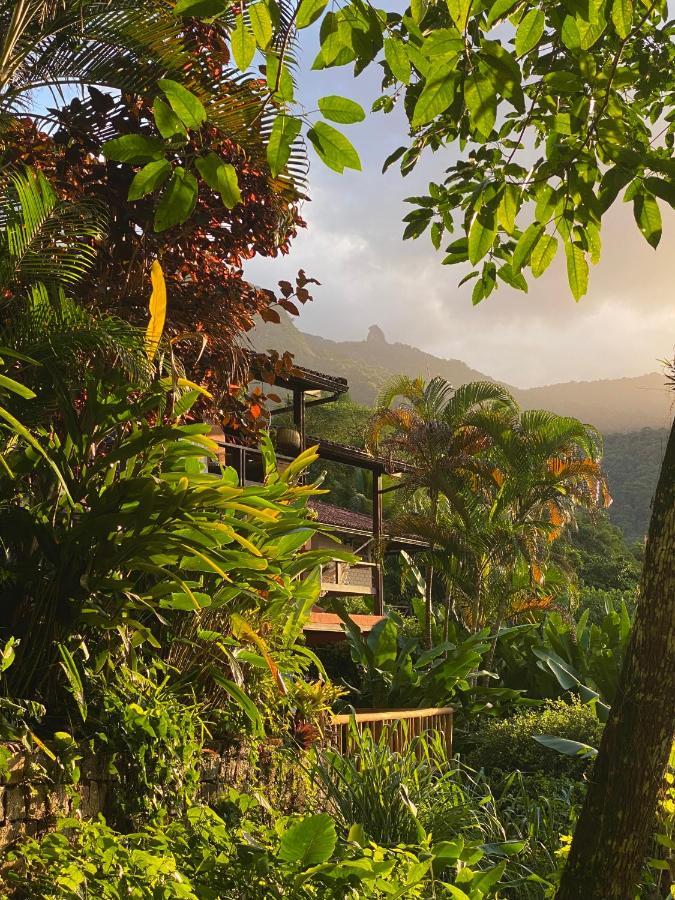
{"type": "Point", "coordinates": [612, 835]}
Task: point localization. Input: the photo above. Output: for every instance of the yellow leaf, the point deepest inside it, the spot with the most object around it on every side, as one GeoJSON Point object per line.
{"type": "Point", "coordinates": [241, 629]}
{"type": "Point", "coordinates": [157, 309]}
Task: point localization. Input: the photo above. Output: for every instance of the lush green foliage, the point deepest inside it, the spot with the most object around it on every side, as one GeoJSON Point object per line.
{"type": "Point", "coordinates": [396, 673]}
{"type": "Point", "coordinates": [508, 744]}
{"type": "Point", "coordinates": [152, 738]}
{"type": "Point", "coordinates": [558, 655]}
{"type": "Point", "coordinates": [551, 108]}
{"type": "Point", "coordinates": [207, 856]}
{"type": "Point", "coordinates": [518, 818]}
{"type": "Point", "coordinates": [600, 555]}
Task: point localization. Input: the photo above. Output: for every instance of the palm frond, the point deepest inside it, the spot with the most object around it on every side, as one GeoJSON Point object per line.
{"type": "Point", "coordinates": [44, 239]}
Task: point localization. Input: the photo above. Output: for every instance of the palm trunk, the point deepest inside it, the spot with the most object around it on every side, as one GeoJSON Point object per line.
{"type": "Point", "coordinates": [446, 620]}
{"type": "Point", "coordinates": [612, 835]}
{"type": "Point", "coordinates": [428, 608]}
{"type": "Point", "coordinates": [428, 594]}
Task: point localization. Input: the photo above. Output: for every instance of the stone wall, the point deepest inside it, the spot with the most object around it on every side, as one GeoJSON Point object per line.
{"type": "Point", "coordinates": [31, 800]}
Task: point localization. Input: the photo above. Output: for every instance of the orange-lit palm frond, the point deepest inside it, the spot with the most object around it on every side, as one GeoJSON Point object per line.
{"type": "Point", "coordinates": [531, 604]}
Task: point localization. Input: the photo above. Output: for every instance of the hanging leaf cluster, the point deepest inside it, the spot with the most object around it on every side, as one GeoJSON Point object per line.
{"type": "Point", "coordinates": [554, 110]}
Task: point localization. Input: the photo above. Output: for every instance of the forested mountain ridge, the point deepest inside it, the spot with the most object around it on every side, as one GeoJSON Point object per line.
{"type": "Point", "coordinates": [632, 462]}
{"type": "Point", "coordinates": [612, 405]}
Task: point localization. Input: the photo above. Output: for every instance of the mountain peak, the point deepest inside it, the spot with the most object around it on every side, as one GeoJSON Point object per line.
{"type": "Point", "coordinates": [612, 405]}
{"type": "Point", "coordinates": [376, 335]}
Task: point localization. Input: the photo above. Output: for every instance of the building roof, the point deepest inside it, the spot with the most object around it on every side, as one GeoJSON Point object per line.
{"type": "Point", "coordinates": [342, 518]}
{"type": "Point", "coordinates": [348, 520]}
{"type": "Point", "coordinates": [310, 380]}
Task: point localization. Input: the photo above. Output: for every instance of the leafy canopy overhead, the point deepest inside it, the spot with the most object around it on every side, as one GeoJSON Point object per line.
{"type": "Point", "coordinates": [555, 111]}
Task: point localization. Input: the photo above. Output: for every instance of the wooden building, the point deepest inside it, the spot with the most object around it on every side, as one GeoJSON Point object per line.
{"type": "Point", "coordinates": [364, 535]}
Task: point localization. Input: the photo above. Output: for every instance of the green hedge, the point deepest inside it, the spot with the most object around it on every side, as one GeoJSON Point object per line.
{"type": "Point", "coordinates": [508, 744]}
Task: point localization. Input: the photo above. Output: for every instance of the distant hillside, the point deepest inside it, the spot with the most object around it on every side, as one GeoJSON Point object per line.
{"type": "Point", "coordinates": [632, 462]}
{"type": "Point", "coordinates": [639, 406]}
{"type": "Point", "coordinates": [612, 405]}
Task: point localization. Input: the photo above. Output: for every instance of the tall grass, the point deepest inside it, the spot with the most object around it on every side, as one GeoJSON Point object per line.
{"type": "Point", "coordinates": [403, 797]}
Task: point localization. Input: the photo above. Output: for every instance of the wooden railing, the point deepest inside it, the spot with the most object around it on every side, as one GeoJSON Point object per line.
{"type": "Point", "coordinates": [400, 726]}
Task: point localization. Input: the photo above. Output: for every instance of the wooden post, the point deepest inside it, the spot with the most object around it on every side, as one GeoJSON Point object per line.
{"type": "Point", "coordinates": [378, 605]}
{"type": "Point", "coordinates": [299, 414]}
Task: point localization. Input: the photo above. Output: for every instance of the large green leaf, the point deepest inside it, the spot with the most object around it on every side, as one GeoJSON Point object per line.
{"type": "Point", "coordinates": [397, 59]}
{"type": "Point", "coordinates": [499, 10]}
{"type": "Point", "coordinates": [152, 176]}
{"type": "Point", "coordinates": [243, 44]}
{"type": "Point", "coordinates": [437, 95]}
{"type": "Point", "coordinates": [333, 147]}
{"type": "Point", "coordinates": [220, 177]}
{"type": "Point", "coordinates": [648, 217]}
{"type": "Point", "coordinates": [309, 11]}
{"type": "Point", "coordinates": [284, 132]}
{"type": "Point", "coordinates": [481, 102]}
{"type": "Point", "coordinates": [530, 31]}
{"type": "Point", "coordinates": [167, 122]}
{"type": "Point", "coordinates": [309, 842]}
{"type": "Point", "coordinates": [242, 700]}
{"type": "Point", "coordinates": [383, 643]}
{"type": "Point", "coordinates": [133, 148]}
{"type": "Point", "coordinates": [340, 109]}
{"type": "Point", "coordinates": [15, 387]}
{"type": "Point", "coordinates": [591, 30]}
{"type": "Point", "coordinates": [566, 747]}
{"type": "Point", "coordinates": [481, 234]}
{"type": "Point", "coordinates": [577, 269]}
{"type": "Point", "coordinates": [459, 12]}
{"type": "Point", "coordinates": [508, 208]}
{"type": "Point", "coordinates": [526, 244]}
{"type": "Point", "coordinates": [622, 17]}
{"type": "Point", "coordinates": [189, 109]}
{"type": "Point", "coordinates": [543, 254]}
{"type": "Point", "coordinates": [661, 188]}
{"type": "Point", "coordinates": [177, 201]}
{"type": "Point", "coordinates": [261, 24]}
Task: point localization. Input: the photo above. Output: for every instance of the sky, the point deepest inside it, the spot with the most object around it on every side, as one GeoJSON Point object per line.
{"type": "Point", "coordinates": [624, 326]}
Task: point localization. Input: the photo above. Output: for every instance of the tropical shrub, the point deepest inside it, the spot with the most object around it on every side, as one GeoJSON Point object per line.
{"type": "Point", "coordinates": [152, 738]}
{"type": "Point", "coordinates": [206, 855]}
{"type": "Point", "coordinates": [377, 788]}
{"type": "Point", "coordinates": [396, 672]}
{"type": "Point", "coordinates": [509, 744]}
{"type": "Point", "coordinates": [560, 655]}
{"type": "Point", "coordinates": [521, 817]}
{"type": "Point", "coordinates": [116, 535]}
{"type": "Point", "coordinates": [513, 818]}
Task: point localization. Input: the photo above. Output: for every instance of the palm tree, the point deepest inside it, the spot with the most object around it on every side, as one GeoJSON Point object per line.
{"type": "Point", "coordinates": [441, 434]}
{"type": "Point", "coordinates": [544, 467]}
{"type": "Point", "coordinates": [511, 502]}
